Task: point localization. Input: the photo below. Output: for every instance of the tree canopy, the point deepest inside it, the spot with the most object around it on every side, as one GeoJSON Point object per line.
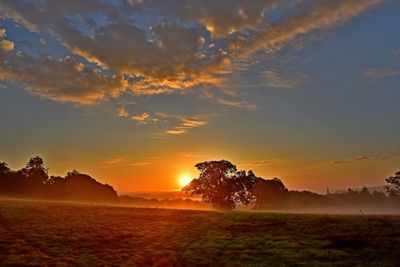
{"type": "Point", "coordinates": [269, 193]}
{"type": "Point", "coordinates": [394, 181]}
{"type": "Point", "coordinates": [222, 185]}
{"type": "Point", "coordinates": [4, 168]}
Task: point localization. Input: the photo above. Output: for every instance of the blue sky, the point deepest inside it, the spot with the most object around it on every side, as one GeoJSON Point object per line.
{"type": "Point", "coordinates": [135, 93]}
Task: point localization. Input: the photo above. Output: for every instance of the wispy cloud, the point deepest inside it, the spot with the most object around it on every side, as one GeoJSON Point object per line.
{"type": "Point", "coordinates": [114, 161]}
{"type": "Point", "coordinates": [186, 124]}
{"type": "Point", "coordinates": [362, 158]}
{"type": "Point", "coordinates": [279, 79]}
{"type": "Point", "coordinates": [144, 118]}
{"type": "Point", "coordinates": [396, 54]}
{"type": "Point", "coordinates": [176, 131]}
{"type": "Point", "coordinates": [191, 155]}
{"type": "Point", "coordinates": [183, 124]}
{"type": "Point", "coordinates": [119, 161]}
{"type": "Point", "coordinates": [263, 163]}
{"type": "Point", "coordinates": [385, 72]}
{"type": "Point", "coordinates": [141, 163]}
{"type": "Point", "coordinates": [192, 122]}
{"type": "Point", "coordinates": [359, 159]}
{"type": "Point", "coordinates": [375, 73]}
{"type": "Point", "coordinates": [237, 104]}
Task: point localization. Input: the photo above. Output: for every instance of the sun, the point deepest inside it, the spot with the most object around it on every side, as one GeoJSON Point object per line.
{"type": "Point", "coordinates": [184, 180]}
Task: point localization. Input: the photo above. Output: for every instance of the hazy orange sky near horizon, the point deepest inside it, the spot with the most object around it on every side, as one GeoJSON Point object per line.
{"type": "Point", "coordinates": [135, 93]}
{"type": "Point", "coordinates": [159, 173]}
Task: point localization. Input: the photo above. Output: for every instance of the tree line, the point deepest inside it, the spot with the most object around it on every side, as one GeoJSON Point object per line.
{"type": "Point", "coordinates": [220, 184]}
{"type": "Point", "coordinates": [33, 181]}
{"type": "Point", "coordinates": [224, 187]}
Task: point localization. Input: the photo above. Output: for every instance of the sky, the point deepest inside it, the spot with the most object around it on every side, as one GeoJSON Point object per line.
{"type": "Point", "coordinates": [136, 92]}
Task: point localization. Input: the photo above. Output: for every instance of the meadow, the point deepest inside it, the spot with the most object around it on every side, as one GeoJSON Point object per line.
{"type": "Point", "coordinates": [46, 233]}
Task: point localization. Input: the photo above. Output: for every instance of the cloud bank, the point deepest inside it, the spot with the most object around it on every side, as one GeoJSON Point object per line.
{"type": "Point", "coordinates": [149, 47]}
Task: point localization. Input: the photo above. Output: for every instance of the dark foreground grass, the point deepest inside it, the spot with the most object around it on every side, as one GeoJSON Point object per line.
{"type": "Point", "coordinates": [71, 234]}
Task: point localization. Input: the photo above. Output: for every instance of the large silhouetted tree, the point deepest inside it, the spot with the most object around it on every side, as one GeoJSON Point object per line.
{"type": "Point", "coordinates": [394, 181]}
{"type": "Point", "coordinates": [222, 185]}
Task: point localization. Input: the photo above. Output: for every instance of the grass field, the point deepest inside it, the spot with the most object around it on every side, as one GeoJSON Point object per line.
{"type": "Point", "coordinates": [71, 234]}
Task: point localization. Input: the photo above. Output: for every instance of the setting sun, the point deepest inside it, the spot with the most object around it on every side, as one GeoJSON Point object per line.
{"type": "Point", "coordinates": [184, 180]}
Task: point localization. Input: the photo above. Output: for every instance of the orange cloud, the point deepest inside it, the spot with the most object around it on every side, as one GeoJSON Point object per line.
{"type": "Point", "coordinates": [168, 55]}
{"type": "Point", "coordinates": [186, 124]}
{"type": "Point", "coordinates": [143, 118]}
{"type": "Point", "coordinates": [122, 112]}
{"type": "Point", "coordinates": [5, 45]}
{"type": "Point", "coordinates": [321, 15]}
{"type": "Point", "coordinates": [63, 80]}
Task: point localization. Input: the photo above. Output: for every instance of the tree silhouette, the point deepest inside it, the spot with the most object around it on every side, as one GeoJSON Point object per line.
{"type": "Point", "coordinates": [364, 191]}
{"type": "Point", "coordinates": [5, 177]}
{"type": "Point", "coordinates": [36, 163]}
{"type": "Point", "coordinates": [32, 181]}
{"type": "Point", "coordinates": [269, 193]}
{"type": "Point", "coordinates": [36, 172]}
{"type": "Point", "coordinates": [81, 186]}
{"type": "Point", "coordinates": [222, 185]}
{"type": "Point", "coordinates": [4, 168]}
{"type": "Point", "coordinates": [395, 182]}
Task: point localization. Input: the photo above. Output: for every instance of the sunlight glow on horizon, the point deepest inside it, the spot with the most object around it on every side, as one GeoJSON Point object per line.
{"type": "Point", "coordinates": [184, 180]}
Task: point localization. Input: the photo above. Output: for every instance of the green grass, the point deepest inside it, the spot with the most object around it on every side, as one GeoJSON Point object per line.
{"type": "Point", "coordinates": [39, 233]}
